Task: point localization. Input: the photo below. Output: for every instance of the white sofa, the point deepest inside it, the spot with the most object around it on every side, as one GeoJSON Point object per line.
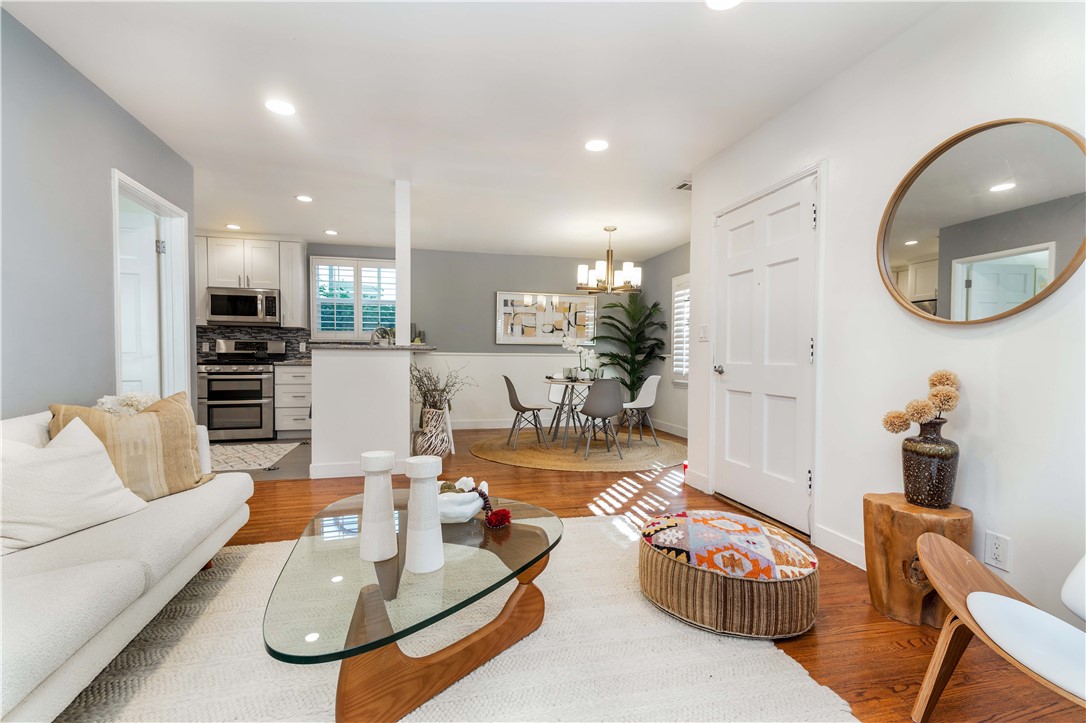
{"type": "Point", "coordinates": [69, 606]}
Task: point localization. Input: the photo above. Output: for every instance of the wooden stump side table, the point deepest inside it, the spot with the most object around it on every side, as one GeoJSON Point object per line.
{"type": "Point", "coordinates": [899, 588]}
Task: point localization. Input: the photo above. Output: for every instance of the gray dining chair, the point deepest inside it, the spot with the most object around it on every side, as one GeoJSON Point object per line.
{"type": "Point", "coordinates": [526, 417]}
{"type": "Point", "coordinates": [604, 401]}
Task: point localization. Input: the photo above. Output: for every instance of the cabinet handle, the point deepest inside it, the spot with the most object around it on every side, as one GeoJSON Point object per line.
{"type": "Point", "coordinates": [298, 376]}
{"type": "Point", "coordinates": [298, 419]}
{"type": "Point", "coordinates": [297, 396]}
{"type": "Point", "coordinates": [247, 280]}
{"type": "Point", "coordinates": [239, 281]}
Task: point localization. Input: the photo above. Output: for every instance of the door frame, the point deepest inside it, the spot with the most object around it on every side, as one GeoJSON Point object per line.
{"type": "Point", "coordinates": [174, 322]}
{"type": "Point", "coordinates": [957, 272]}
{"type": "Point", "coordinates": [819, 172]}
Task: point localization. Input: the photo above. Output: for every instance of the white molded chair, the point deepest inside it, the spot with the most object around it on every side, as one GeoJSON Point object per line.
{"type": "Point", "coordinates": [637, 411]}
{"type": "Point", "coordinates": [981, 604]}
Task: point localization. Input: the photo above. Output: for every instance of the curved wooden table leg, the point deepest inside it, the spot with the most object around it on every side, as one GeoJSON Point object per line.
{"type": "Point", "coordinates": [384, 684]}
{"type": "Point", "coordinates": [953, 641]}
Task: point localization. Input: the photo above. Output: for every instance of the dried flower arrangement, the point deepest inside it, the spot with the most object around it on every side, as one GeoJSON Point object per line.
{"type": "Point", "coordinates": [127, 404]}
{"type": "Point", "coordinates": [942, 397]}
{"type": "Point", "coordinates": [429, 390]}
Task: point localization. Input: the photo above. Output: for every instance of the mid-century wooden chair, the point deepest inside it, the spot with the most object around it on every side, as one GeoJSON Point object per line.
{"type": "Point", "coordinates": [1042, 646]}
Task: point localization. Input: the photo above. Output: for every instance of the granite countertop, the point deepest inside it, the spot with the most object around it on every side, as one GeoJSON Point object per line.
{"type": "Point", "coordinates": [295, 363]}
{"type": "Point", "coordinates": [366, 346]}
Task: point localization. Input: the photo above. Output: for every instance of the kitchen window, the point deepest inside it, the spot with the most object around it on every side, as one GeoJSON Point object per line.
{"type": "Point", "coordinates": [351, 297]}
{"type": "Point", "coordinates": [680, 329]}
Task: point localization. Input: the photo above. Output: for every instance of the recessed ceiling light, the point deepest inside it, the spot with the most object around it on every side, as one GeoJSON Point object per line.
{"type": "Point", "coordinates": [596, 145]}
{"type": "Point", "coordinates": [337, 578]}
{"type": "Point", "coordinates": [233, 227]}
{"type": "Point", "coordinates": [312, 637]}
{"type": "Point", "coordinates": [281, 107]}
{"type": "Point", "coordinates": [1002, 187]}
{"type": "Point", "coordinates": [722, 4]}
{"type": "Point", "coordinates": [305, 199]}
{"type": "Point", "coordinates": [331, 232]}
{"type": "Point", "coordinates": [911, 243]}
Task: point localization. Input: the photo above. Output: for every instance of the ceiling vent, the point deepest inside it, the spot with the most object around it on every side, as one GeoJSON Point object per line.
{"type": "Point", "coordinates": [685, 186]}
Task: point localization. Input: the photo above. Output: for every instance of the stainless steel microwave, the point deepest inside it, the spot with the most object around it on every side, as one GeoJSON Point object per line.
{"type": "Point", "coordinates": [242, 306]}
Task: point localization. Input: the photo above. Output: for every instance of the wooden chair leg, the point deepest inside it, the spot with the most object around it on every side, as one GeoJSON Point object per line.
{"type": "Point", "coordinates": [648, 418]}
{"type": "Point", "coordinates": [953, 641]}
{"type": "Point", "coordinates": [512, 429]}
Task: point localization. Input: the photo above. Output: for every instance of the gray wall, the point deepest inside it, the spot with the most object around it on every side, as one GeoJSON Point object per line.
{"type": "Point", "coordinates": [1062, 221]}
{"type": "Point", "coordinates": [61, 137]}
{"type": "Point", "coordinates": [657, 274]}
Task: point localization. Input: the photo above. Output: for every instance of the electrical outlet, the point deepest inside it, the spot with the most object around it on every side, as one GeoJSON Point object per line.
{"type": "Point", "coordinates": [997, 550]}
{"type": "Point", "coordinates": [205, 346]}
{"type": "Point", "coordinates": [302, 346]}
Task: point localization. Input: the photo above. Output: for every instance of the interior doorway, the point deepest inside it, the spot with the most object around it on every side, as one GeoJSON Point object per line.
{"type": "Point", "coordinates": [150, 262]}
{"type": "Point", "coordinates": [765, 259]}
{"type": "Point", "coordinates": [993, 283]}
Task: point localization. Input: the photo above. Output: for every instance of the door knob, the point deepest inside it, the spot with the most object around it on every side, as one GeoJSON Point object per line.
{"type": "Point", "coordinates": [718, 369]}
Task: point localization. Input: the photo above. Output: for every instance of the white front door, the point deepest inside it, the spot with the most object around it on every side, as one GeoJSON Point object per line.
{"type": "Point", "coordinates": [763, 367]}
{"type": "Point", "coordinates": [141, 360]}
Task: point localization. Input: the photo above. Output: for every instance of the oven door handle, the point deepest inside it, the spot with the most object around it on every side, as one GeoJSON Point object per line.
{"type": "Point", "coordinates": [239, 377]}
{"type": "Point", "coordinates": [237, 402]}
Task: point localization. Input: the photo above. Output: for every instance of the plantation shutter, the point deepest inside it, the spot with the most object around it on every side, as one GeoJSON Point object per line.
{"type": "Point", "coordinates": [680, 328]}
{"type": "Point", "coordinates": [351, 297]}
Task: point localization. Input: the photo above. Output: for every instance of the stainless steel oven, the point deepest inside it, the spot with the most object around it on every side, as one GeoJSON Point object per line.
{"type": "Point", "coordinates": [235, 398]}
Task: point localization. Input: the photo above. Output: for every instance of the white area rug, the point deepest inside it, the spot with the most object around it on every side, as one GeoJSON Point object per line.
{"type": "Point", "coordinates": [244, 457]}
{"type": "Point", "coordinates": [603, 652]}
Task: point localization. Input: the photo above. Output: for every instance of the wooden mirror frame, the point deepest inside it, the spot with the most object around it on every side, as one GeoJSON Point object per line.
{"type": "Point", "coordinates": [906, 184]}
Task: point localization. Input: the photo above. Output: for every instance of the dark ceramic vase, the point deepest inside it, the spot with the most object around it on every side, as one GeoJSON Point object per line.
{"type": "Point", "coordinates": [930, 464]}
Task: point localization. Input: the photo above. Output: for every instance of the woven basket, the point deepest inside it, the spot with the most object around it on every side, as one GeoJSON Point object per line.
{"type": "Point", "coordinates": [722, 604]}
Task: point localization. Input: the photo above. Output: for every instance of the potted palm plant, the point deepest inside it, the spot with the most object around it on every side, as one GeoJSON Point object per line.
{"type": "Point", "coordinates": [632, 331]}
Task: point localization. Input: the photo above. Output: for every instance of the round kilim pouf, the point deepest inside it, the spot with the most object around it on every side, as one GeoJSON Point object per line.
{"type": "Point", "coordinates": [729, 574]}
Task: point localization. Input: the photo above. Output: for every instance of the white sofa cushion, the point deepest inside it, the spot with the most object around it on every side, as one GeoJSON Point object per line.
{"type": "Point", "coordinates": [158, 536]}
{"type": "Point", "coordinates": [33, 429]}
{"type": "Point", "coordinates": [48, 616]}
{"type": "Point", "coordinates": [66, 486]}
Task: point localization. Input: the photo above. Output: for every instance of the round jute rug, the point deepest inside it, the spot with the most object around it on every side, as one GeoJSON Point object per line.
{"type": "Point", "coordinates": [641, 456]}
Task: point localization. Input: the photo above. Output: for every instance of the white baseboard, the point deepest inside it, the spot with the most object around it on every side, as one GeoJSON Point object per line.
{"type": "Point", "coordinates": [697, 480]}
{"type": "Point", "coordinates": [676, 429]}
{"type": "Point", "coordinates": [325, 470]}
{"type": "Point", "coordinates": [844, 547]}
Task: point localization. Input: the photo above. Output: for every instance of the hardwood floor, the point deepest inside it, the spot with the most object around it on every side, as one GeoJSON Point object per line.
{"type": "Point", "coordinates": [873, 662]}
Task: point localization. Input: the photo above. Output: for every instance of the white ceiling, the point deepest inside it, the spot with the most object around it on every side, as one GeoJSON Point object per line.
{"type": "Point", "coordinates": [485, 107]}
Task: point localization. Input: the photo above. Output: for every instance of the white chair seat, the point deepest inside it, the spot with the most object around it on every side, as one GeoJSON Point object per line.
{"type": "Point", "coordinates": [1048, 646]}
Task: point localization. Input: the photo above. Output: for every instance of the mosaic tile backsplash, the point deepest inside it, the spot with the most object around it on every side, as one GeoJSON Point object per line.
{"type": "Point", "coordinates": [292, 337]}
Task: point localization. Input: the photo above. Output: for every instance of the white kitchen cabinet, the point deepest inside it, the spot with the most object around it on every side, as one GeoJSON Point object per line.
{"type": "Point", "coordinates": [234, 263]}
{"type": "Point", "coordinates": [923, 281]}
{"type": "Point", "coordinates": [293, 400]}
{"type": "Point", "coordinates": [293, 286]}
{"type": "Point", "coordinates": [261, 264]}
{"type": "Point", "coordinates": [226, 262]}
{"type": "Point", "coordinates": [200, 262]}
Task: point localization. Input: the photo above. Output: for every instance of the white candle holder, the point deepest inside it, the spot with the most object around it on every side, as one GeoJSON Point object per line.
{"type": "Point", "coordinates": [424, 547]}
{"type": "Point", "coordinates": [377, 528]}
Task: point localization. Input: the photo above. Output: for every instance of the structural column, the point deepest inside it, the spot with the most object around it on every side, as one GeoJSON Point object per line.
{"type": "Point", "coordinates": [403, 262]}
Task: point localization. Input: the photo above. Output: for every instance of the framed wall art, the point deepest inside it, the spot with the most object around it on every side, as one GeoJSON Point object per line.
{"type": "Point", "coordinates": [532, 318]}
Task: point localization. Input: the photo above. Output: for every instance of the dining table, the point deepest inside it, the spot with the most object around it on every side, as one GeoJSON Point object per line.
{"type": "Point", "coordinates": [566, 411]}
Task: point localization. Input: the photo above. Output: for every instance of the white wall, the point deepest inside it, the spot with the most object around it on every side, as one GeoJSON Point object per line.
{"type": "Point", "coordinates": [486, 405]}
{"type": "Point", "coordinates": [1021, 423]}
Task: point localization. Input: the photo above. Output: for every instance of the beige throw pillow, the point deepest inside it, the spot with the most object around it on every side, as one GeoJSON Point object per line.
{"type": "Point", "coordinates": [154, 451]}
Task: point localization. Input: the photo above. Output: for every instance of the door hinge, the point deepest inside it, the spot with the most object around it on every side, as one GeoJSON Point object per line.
{"type": "Point", "coordinates": [160, 246]}
{"type": "Point", "coordinates": [812, 350]}
{"type": "Point", "coordinates": [969, 283]}
{"type": "Point", "coordinates": [810, 481]}
{"type": "Point", "coordinates": [814, 216]}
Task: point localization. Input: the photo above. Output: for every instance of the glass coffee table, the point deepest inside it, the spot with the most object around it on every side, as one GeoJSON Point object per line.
{"type": "Point", "coordinates": [328, 604]}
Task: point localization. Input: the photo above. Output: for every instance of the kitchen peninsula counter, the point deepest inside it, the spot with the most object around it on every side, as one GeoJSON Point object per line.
{"type": "Point", "coordinates": [361, 403]}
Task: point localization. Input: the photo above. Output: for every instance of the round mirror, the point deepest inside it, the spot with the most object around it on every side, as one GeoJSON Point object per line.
{"type": "Point", "coordinates": [987, 224]}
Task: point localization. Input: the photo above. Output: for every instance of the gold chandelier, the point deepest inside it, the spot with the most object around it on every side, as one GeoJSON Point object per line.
{"type": "Point", "coordinates": [605, 278]}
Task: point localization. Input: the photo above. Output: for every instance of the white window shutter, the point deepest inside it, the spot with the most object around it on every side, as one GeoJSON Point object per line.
{"type": "Point", "coordinates": [680, 327]}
